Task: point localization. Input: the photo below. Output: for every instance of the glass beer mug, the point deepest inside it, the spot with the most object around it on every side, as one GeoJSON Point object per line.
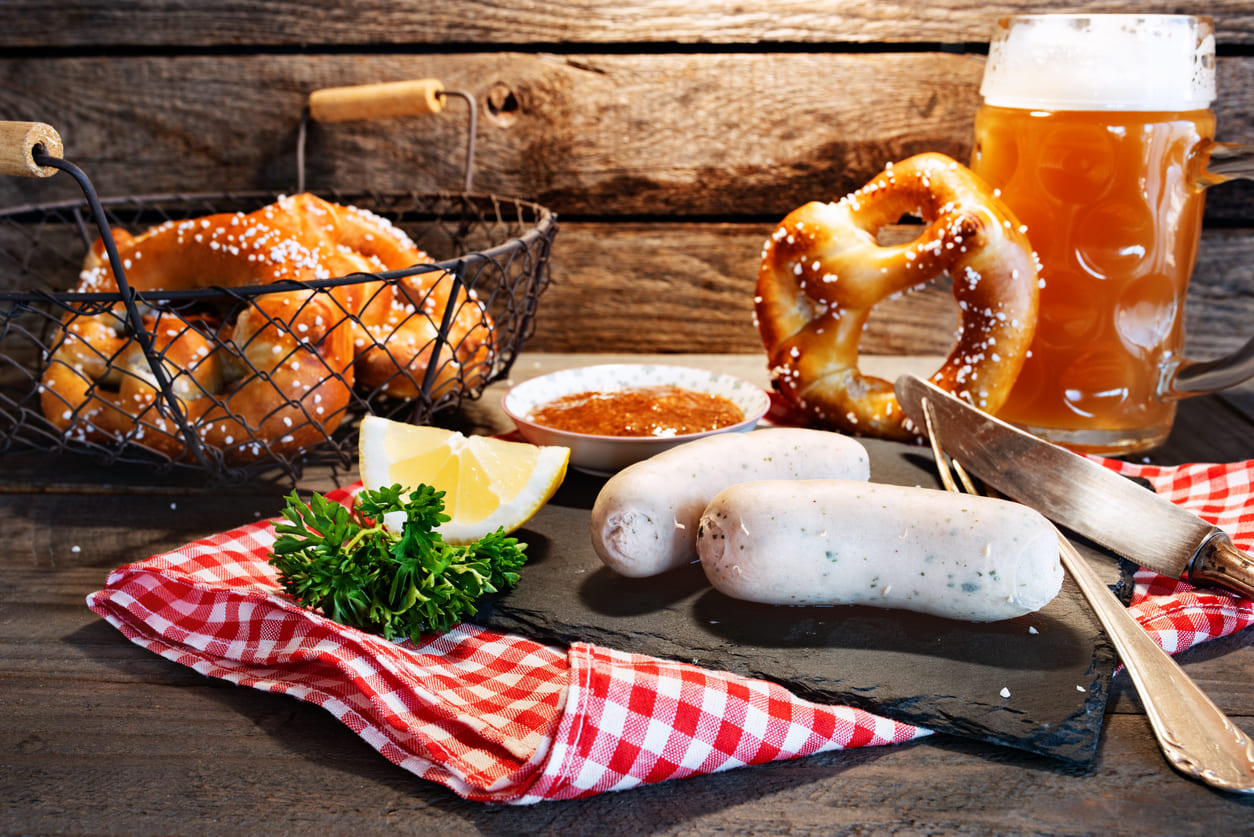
{"type": "Point", "coordinates": [1097, 129]}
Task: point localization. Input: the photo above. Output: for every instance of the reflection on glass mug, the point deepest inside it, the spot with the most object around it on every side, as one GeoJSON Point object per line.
{"type": "Point", "coordinates": [1098, 131]}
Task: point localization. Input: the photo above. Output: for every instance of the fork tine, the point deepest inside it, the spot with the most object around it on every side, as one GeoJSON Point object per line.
{"type": "Point", "coordinates": [963, 478]}
{"type": "Point", "coordinates": [942, 461]}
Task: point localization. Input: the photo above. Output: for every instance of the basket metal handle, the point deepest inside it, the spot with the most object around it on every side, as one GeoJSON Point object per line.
{"type": "Point", "coordinates": [18, 141]}
{"type": "Point", "coordinates": [34, 149]}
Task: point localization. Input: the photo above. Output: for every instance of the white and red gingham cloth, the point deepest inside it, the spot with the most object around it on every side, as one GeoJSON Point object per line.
{"type": "Point", "coordinates": [501, 718]}
{"type": "Point", "coordinates": [1178, 615]}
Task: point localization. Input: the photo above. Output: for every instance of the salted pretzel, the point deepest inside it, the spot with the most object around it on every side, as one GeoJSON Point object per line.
{"type": "Point", "coordinates": [278, 378]}
{"type": "Point", "coordinates": [823, 270]}
{"type": "Point", "coordinates": [402, 321]}
{"type": "Point", "coordinates": [397, 323]}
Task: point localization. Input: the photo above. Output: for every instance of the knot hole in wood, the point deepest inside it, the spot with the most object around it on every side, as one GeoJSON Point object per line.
{"type": "Point", "coordinates": [502, 104]}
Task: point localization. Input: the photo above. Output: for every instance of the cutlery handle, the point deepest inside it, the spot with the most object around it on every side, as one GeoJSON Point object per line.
{"type": "Point", "coordinates": [1220, 564]}
{"type": "Point", "coordinates": [1195, 736]}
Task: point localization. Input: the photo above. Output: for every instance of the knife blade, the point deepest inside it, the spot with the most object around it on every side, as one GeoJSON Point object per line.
{"type": "Point", "coordinates": [1080, 494]}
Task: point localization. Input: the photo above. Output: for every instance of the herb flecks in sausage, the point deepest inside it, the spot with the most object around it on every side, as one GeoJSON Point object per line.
{"type": "Point", "coordinates": [896, 547]}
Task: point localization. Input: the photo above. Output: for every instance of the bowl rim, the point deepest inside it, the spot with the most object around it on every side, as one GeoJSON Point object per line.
{"type": "Point", "coordinates": [751, 417]}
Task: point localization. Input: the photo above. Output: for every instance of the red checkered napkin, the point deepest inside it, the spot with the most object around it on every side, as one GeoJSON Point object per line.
{"type": "Point", "coordinates": [1178, 615]}
{"type": "Point", "coordinates": [494, 717]}
{"type": "Point", "coordinates": [502, 718]}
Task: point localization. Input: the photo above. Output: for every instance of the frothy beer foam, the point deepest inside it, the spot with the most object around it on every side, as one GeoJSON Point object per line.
{"type": "Point", "coordinates": [1102, 62]}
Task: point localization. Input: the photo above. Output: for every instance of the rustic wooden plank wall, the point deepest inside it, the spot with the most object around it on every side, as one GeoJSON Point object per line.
{"type": "Point", "coordinates": [669, 136]}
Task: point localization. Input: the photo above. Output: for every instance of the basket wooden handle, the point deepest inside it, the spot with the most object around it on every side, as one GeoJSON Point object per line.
{"type": "Point", "coordinates": [377, 101]}
{"type": "Point", "coordinates": [18, 141]}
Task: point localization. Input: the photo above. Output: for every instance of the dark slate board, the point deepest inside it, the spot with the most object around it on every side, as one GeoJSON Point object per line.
{"type": "Point", "coordinates": [942, 674]}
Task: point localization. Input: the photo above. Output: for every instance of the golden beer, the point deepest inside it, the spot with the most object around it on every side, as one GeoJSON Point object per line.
{"type": "Point", "coordinates": [1114, 213]}
{"type": "Point", "coordinates": [1095, 130]}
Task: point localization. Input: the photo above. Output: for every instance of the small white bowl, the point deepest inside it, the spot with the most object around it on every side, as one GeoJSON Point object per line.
{"type": "Point", "coordinates": [605, 455]}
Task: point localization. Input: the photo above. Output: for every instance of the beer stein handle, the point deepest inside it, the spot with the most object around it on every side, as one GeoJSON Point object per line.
{"type": "Point", "coordinates": [1224, 161]}
{"type": "Point", "coordinates": [1200, 377]}
{"type": "Point", "coordinates": [1229, 161]}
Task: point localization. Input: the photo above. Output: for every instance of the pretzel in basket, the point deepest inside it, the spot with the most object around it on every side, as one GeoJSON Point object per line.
{"type": "Point", "coordinates": [280, 375]}
{"type": "Point", "coordinates": [397, 322]}
{"type": "Point", "coordinates": [279, 378]}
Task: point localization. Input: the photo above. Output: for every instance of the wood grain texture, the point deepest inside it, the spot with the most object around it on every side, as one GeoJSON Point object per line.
{"type": "Point", "coordinates": [689, 287]}
{"type": "Point", "coordinates": [721, 135]}
{"type": "Point", "coordinates": [141, 743]}
{"type": "Point", "coordinates": [585, 135]}
{"type": "Point", "coordinates": [236, 23]}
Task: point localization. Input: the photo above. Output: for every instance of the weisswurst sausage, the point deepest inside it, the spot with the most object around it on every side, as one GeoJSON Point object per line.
{"type": "Point", "coordinates": [644, 520]}
{"type": "Point", "coordinates": [830, 542]}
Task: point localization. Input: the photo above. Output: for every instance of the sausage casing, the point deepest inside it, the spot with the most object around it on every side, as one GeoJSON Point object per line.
{"type": "Point", "coordinates": [832, 542]}
{"type": "Point", "coordinates": [644, 520]}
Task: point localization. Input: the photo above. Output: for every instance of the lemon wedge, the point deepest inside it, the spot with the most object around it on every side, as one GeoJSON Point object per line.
{"type": "Point", "coordinates": [487, 483]}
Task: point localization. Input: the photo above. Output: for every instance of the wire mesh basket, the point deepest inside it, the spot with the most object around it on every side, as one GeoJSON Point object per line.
{"type": "Point", "coordinates": [237, 381]}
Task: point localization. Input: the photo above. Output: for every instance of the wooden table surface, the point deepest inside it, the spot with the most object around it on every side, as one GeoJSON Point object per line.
{"type": "Point", "coordinates": [102, 737]}
{"type": "Point", "coordinates": [670, 138]}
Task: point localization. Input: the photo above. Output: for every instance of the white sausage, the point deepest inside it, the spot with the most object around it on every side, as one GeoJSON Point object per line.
{"type": "Point", "coordinates": [644, 520]}
{"type": "Point", "coordinates": [831, 542]}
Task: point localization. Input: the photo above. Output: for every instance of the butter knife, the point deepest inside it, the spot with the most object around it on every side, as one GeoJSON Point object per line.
{"type": "Point", "coordinates": [1081, 495]}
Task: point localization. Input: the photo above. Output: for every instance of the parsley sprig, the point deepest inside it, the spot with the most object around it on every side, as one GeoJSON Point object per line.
{"type": "Point", "coordinates": [358, 572]}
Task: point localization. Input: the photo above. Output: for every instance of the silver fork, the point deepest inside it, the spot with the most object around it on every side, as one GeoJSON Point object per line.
{"type": "Point", "coordinates": [1195, 736]}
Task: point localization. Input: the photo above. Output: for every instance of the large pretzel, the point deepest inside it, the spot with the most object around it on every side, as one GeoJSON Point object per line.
{"type": "Point", "coordinates": [274, 382]}
{"type": "Point", "coordinates": [279, 378]}
{"type": "Point", "coordinates": [823, 270]}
